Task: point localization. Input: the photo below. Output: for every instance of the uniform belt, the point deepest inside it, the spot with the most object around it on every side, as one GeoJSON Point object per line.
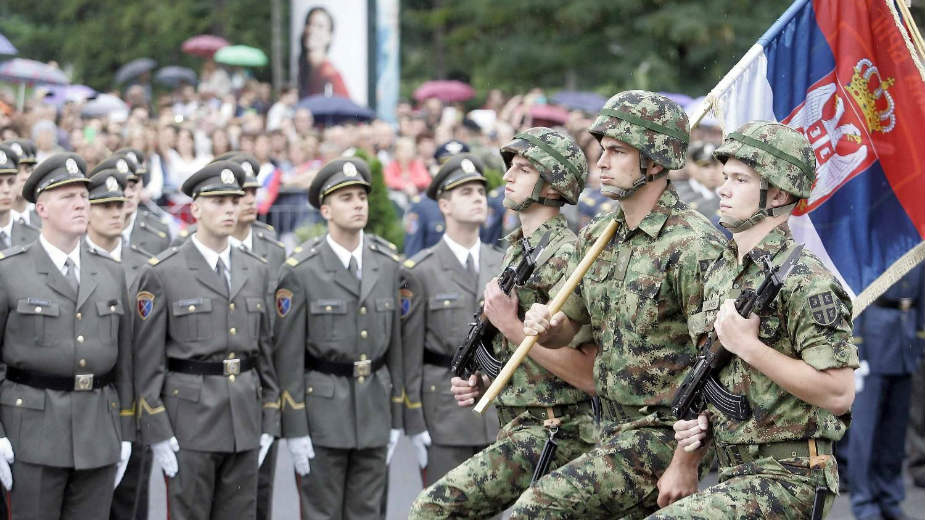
{"type": "Point", "coordinates": [621, 413]}
{"type": "Point", "coordinates": [734, 454]}
{"type": "Point", "coordinates": [436, 358]}
{"type": "Point", "coordinates": [225, 367]}
{"type": "Point", "coordinates": [75, 383]}
{"type": "Point", "coordinates": [362, 368]}
{"type": "Point", "coordinates": [507, 414]}
{"type": "Point", "coordinates": [903, 304]}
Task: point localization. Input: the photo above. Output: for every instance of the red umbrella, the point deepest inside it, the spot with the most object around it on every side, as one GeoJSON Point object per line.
{"type": "Point", "coordinates": [548, 114]}
{"type": "Point", "coordinates": [444, 90]}
{"type": "Point", "coordinates": [204, 45]}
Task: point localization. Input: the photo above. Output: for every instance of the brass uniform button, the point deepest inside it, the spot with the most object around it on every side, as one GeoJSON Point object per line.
{"type": "Point", "coordinates": [232, 331]}
{"type": "Point", "coordinates": [327, 308]}
{"type": "Point", "coordinates": [112, 308]}
{"type": "Point", "coordinates": [82, 362]}
{"type": "Point", "coordinates": [446, 303]}
{"type": "Point", "coordinates": [80, 339]}
{"type": "Point", "coordinates": [363, 310]}
{"type": "Point", "coordinates": [231, 355]}
{"type": "Point", "coordinates": [191, 308]}
{"type": "Point", "coordinates": [231, 378]}
{"type": "Point", "coordinates": [176, 392]}
{"type": "Point", "coordinates": [19, 402]}
{"type": "Point", "coordinates": [79, 316]}
{"type": "Point", "coordinates": [363, 334]}
{"type": "Point", "coordinates": [38, 309]}
{"type": "Point", "coordinates": [231, 306]}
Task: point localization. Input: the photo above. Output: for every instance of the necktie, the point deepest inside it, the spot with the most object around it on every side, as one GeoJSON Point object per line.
{"type": "Point", "coordinates": [70, 274]}
{"type": "Point", "coordinates": [223, 273]}
{"type": "Point", "coordinates": [470, 266]}
{"type": "Point", "coordinates": [352, 267]}
{"type": "Point", "coordinates": [4, 240]}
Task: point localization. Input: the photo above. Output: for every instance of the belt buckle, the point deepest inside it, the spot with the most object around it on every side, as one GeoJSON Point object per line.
{"type": "Point", "coordinates": [83, 382]}
{"type": "Point", "coordinates": [905, 304]}
{"type": "Point", "coordinates": [362, 368]}
{"type": "Point", "coordinates": [231, 367]}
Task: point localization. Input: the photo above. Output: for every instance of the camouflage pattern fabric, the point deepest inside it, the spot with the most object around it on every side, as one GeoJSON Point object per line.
{"type": "Point", "coordinates": [649, 122]}
{"type": "Point", "coordinates": [780, 154]}
{"type": "Point", "coordinates": [614, 480]}
{"type": "Point", "coordinates": [491, 481]}
{"type": "Point", "coordinates": [531, 384]}
{"type": "Point", "coordinates": [554, 154]}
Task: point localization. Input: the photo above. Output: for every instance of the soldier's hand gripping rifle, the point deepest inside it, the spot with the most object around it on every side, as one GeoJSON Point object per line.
{"type": "Point", "coordinates": [700, 385]}
{"type": "Point", "coordinates": [476, 352]}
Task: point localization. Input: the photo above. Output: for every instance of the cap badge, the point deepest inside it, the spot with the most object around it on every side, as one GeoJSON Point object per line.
{"type": "Point", "coordinates": [71, 166]}
{"type": "Point", "coordinates": [454, 147]}
{"type": "Point", "coordinates": [227, 176]}
{"type": "Point", "coordinates": [122, 166]}
{"type": "Point", "coordinates": [350, 170]}
{"type": "Point", "coordinates": [248, 169]}
{"type": "Point", "coordinates": [17, 148]}
{"type": "Point", "coordinates": [2, 157]}
{"type": "Point", "coordinates": [112, 184]}
{"type": "Point", "coordinates": [467, 166]}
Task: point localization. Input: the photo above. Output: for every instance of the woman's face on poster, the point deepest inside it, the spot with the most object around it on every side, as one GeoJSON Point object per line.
{"type": "Point", "coordinates": [317, 33]}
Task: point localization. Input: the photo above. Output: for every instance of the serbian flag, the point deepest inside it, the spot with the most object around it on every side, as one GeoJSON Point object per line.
{"type": "Point", "coordinates": [846, 74]}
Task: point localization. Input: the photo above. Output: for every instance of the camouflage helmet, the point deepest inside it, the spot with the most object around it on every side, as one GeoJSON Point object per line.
{"type": "Point", "coordinates": [781, 155]}
{"type": "Point", "coordinates": [558, 159]}
{"type": "Point", "coordinates": [649, 122]}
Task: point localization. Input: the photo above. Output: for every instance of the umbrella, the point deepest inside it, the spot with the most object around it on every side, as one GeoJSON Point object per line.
{"type": "Point", "coordinates": [241, 56]}
{"type": "Point", "coordinates": [444, 90]}
{"type": "Point", "coordinates": [60, 94]}
{"type": "Point", "coordinates": [204, 45]}
{"type": "Point", "coordinates": [577, 100]}
{"type": "Point", "coordinates": [104, 105]}
{"type": "Point", "coordinates": [330, 110]}
{"type": "Point", "coordinates": [173, 76]}
{"type": "Point", "coordinates": [6, 47]}
{"type": "Point", "coordinates": [19, 70]}
{"type": "Point", "coordinates": [133, 69]}
{"type": "Point", "coordinates": [548, 114]}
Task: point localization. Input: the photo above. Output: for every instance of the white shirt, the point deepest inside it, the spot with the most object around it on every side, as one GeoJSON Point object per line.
{"type": "Point", "coordinates": [58, 257]}
{"type": "Point", "coordinates": [248, 241]}
{"type": "Point", "coordinates": [25, 215]}
{"type": "Point", "coordinates": [211, 256]}
{"type": "Point", "coordinates": [344, 256]}
{"type": "Point", "coordinates": [8, 229]}
{"type": "Point", "coordinates": [115, 254]}
{"type": "Point", "coordinates": [461, 252]}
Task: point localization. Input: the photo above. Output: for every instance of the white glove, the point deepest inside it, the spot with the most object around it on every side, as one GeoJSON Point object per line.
{"type": "Point", "coordinates": [394, 435]}
{"type": "Point", "coordinates": [266, 440]}
{"type": "Point", "coordinates": [301, 450]}
{"type": "Point", "coordinates": [6, 460]}
{"type": "Point", "coordinates": [859, 375]}
{"type": "Point", "coordinates": [421, 441]}
{"type": "Point", "coordinates": [123, 462]}
{"type": "Point", "coordinates": [165, 455]}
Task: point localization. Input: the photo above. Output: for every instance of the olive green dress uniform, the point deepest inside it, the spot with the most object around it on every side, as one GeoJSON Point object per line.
{"type": "Point", "coordinates": [189, 320]}
{"type": "Point", "coordinates": [21, 233]}
{"type": "Point", "coordinates": [65, 400]}
{"type": "Point", "coordinates": [329, 321]}
{"type": "Point", "coordinates": [439, 298]}
{"type": "Point", "coordinates": [25, 151]}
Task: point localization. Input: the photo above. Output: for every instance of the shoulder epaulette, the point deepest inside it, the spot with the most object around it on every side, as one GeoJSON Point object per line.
{"type": "Point", "coordinates": [185, 232]}
{"type": "Point", "coordinates": [303, 253]}
{"type": "Point", "coordinates": [252, 254]}
{"type": "Point", "coordinates": [416, 259]}
{"type": "Point", "coordinates": [261, 235]}
{"type": "Point", "coordinates": [384, 242]}
{"type": "Point", "coordinates": [153, 229]}
{"type": "Point", "coordinates": [165, 254]}
{"type": "Point", "coordinates": [264, 225]}
{"type": "Point", "coordinates": [96, 252]}
{"type": "Point", "coordinates": [28, 226]}
{"type": "Point", "coordinates": [13, 251]}
{"type": "Point", "coordinates": [139, 250]}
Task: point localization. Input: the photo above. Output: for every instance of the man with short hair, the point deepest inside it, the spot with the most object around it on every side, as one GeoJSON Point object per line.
{"type": "Point", "coordinates": [142, 228]}
{"type": "Point", "coordinates": [23, 210]}
{"type": "Point", "coordinates": [13, 230]}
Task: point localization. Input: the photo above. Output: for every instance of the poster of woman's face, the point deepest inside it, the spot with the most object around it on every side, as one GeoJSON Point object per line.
{"type": "Point", "coordinates": [329, 48]}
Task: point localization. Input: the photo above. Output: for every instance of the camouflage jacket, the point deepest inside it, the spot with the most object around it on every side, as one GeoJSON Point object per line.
{"type": "Point", "coordinates": [810, 319]}
{"type": "Point", "coordinates": [531, 384]}
{"type": "Point", "coordinates": [640, 296]}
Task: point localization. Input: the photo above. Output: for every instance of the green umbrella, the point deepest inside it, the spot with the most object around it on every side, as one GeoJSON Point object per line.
{"type": "Point", "coordinates": [241, 56]}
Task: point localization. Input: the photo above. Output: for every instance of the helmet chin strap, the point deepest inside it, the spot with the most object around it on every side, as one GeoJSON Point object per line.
{"type": "Point", "coordinates": [644, 177]}
{"type": "Point", "coordinates": [534, 198]}
{"type": "Point", "coordinates": [738, 225]}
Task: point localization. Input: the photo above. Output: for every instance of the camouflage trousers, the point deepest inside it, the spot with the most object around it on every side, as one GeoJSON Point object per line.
{"type": "Point", "coordinates": [491, 481]}
{"type": "Point", "coordinates": [756, 490]}
{"type": "Point", "coordinates": [617, 479]}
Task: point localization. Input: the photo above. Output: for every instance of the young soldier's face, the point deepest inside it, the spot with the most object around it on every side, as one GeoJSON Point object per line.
{"type": "Point", "coordinates": [519, 180]}
{"type": "Point", "coordinates": [132, 196]}
{"type": "Point", "coordinates": [346, 208]}
{"type": "Point", "coordinates": [107, 218]}
{"type": "Point", "coordinates": [247, 206]}
{"type": "Point", "coordinates": [740, 192]}
{"type": "Point", "coordinates": [465, 204]}
{"type": "Point", "coordinates": [217, 215]}
{"type": "Point", "coordinates": [24, 171]}
{"type": "Point", "coordinates": [8, 185]}
{"type": "Point", "coordinates": [65, 209]}
{"type": "Point", "coordinates": [619, 165]}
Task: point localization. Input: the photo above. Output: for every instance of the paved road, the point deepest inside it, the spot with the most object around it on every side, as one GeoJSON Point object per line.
{"type": "Point", "coordinates": [406, 484]}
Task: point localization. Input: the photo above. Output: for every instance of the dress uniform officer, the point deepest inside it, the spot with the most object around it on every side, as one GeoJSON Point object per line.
{"type": "Point", "coordinates": [142, 228]}
{"type": "Point", "coordinates": [66, 394]}
{"type": "Point", "coordinates": [889, 336]}
{"type": "Point", "coordinates": [338, 352]}
{"type": "Point", "coordinates": [135, 187]}
{"type": "Point", "coordinates": [104, 236]}
{"type": "Point", "coordinates": [23, 210]}
{"type": "Point", "coordinates": [441, 291]}
{"type": "Point", "coordinates": [205, 379]}
{"type": "Point", "coordinates": [13, 231]}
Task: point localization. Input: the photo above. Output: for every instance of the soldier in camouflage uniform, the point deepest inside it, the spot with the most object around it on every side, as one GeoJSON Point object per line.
{"type": "Point", "coordinates": [546, 170]}
{"type": "Point", "coordinates": [641, 296]}
{"type": "Point", "coordinates": [794, 361]}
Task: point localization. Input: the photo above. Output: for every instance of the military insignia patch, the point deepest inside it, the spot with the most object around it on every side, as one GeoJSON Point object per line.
{"type": "Point", "coordinates": [405, 295]}
{"type": "Point", "coordinates": [283, 302]}
{"type": "Point", "coordinates": [227, 176]}
{"type": "Point", "coordinates": [17, 148]}
{"type": "Point", "coordinates": [824, 308]}
{"type": "Point", "coordinates": [467, 166]}
{"type": "Point", "coordinates": [145, 304]}
{"type": "Point", "coordinates": [71, 166]}
{"type": "Point", "coordinates": [122, 166]}
{"type": "Point", "coordinates": [112, 184]}
{"type": "Point", "coordinates": [248, 169]}
{"type": "Point", "coordinates": [350, 170]}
